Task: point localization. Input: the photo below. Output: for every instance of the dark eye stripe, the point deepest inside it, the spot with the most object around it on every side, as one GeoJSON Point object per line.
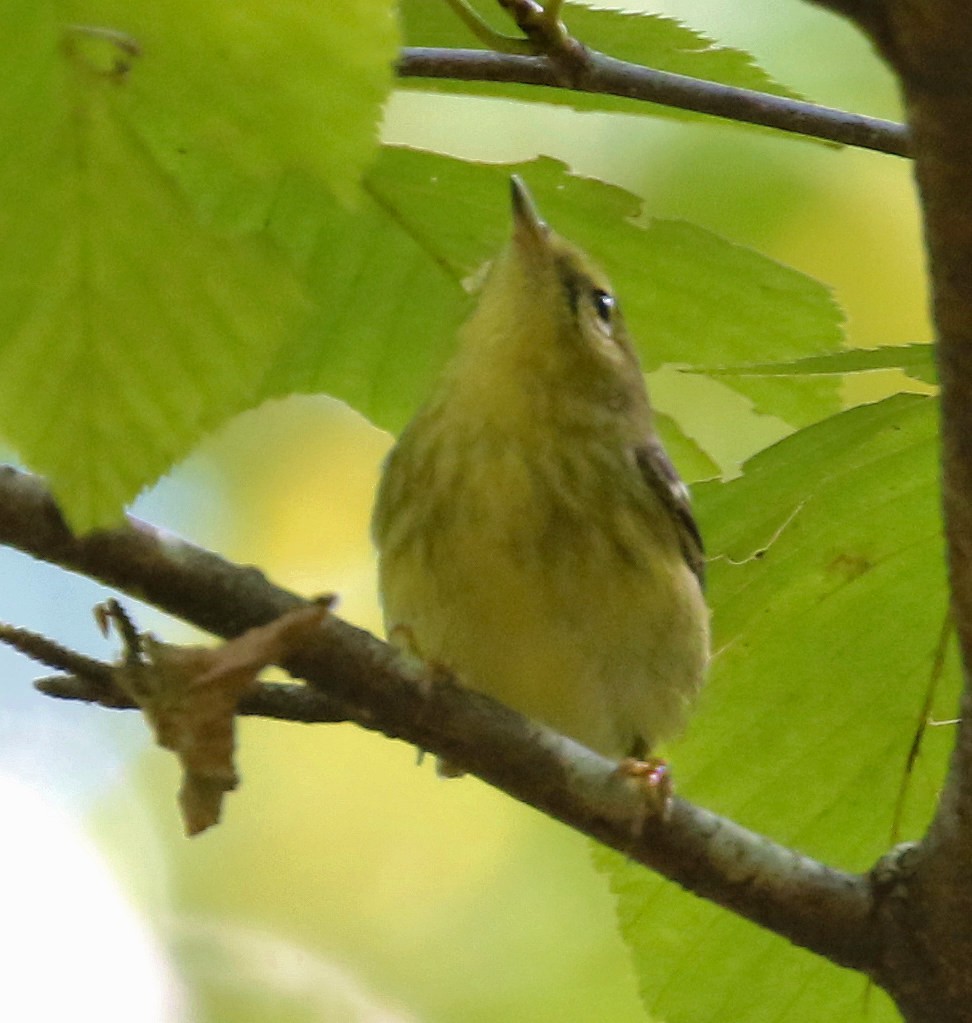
{"type": "Point", "coordinates": [572, 282]}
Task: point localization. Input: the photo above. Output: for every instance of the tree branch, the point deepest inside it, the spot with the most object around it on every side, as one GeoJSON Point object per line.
{"type": "Point", "coordinates": [356, 676]}
{"type": "Point", "coordinates": [599, 73]}
{"type": "Point", "coordinates": [928, 923]}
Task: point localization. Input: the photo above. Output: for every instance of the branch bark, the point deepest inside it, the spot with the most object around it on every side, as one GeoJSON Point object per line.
{"type": "Point", "coordinates": [353, 675]}
{"type": "Point", "coordinates": [929, 921]}
{"type": "Point", "coordinates": [599, 73]}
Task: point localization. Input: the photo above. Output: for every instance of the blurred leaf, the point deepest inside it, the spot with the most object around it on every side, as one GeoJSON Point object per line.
{"type": "Point", "coordinates": [127, 329]}
{"type": "Point", "coordinates": [386, 280]}
{"type": "Point", "coordinates": [917, 360]}
{"type": "Point", "coordinates": [828, 595]}
{"type": "Point", "coordinates": [228, 97]}
{"type": "Point", "coordinates": [119, 344]}
{"type": "Point", "coordinates": [251, 974]}
{"type": "Point", "coordinates": [651, 40]}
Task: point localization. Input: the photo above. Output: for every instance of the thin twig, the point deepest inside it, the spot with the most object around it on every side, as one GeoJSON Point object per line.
{"type": "Point", "coordinates": [53, 655]}
{"type": "Point", "coordinates": [282, 701]}
{"type": "Point", "coordinates": [604, 74]}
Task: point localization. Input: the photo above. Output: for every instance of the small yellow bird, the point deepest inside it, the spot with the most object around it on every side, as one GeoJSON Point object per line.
{"type": "Point", "coordinates": [533, 536]}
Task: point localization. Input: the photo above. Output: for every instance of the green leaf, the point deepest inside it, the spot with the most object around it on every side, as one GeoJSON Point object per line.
{"type": "Point", "coordinates": [387, 281]}
{"type": "Point", "coordinates": [917, 360]}
{"type": "Point", "coordinates": [387, 307]}
{"type": "Point", "coordinates": [701, 294]}
{"type": "Point", "coordinates": [651, 40]}
{"type": "Point", "coordinates": [692, 461]}
{"type": "Point", "coordinates": [126, 331]}
{"type": "Point", "coordinates": [828, 597]}
{"type": "Point", "coordinates": [228, 97]}
{"type": "Point", "coordinates": [128, 328]}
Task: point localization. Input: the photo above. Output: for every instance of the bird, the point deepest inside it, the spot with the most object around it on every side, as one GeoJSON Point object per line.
{"type": "Point", "coordinates": [533, 536]}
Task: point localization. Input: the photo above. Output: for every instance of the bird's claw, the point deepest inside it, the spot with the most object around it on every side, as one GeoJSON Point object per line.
{"type": "Point", "coordinates": [654, 777]}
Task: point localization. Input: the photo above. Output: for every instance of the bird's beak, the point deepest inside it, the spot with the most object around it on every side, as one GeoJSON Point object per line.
{"type": "Point", "coordinates": [529, 229]}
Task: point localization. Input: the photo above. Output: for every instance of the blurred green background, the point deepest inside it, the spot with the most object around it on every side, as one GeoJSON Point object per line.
{"type": "Point", "coordinates": [345, 882]}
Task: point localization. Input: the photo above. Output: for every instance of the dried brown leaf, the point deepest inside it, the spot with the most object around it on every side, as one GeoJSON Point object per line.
{"type": "Point", "coordinates": [190, 695]}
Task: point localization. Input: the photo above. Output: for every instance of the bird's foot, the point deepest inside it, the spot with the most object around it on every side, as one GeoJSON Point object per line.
{"type": "Point", "coordinates": [654, 777]}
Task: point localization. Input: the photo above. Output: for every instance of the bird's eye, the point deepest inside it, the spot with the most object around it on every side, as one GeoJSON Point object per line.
{"type": "Point", "coordinates": [604, 306]}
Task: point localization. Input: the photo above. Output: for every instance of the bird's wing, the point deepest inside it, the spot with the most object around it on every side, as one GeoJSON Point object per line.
{"type": "Point", "coordinates": [660, 475]}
